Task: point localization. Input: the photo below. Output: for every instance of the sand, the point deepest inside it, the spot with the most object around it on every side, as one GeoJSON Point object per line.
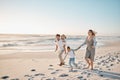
{"type": "Point", "coordinates": [44, 65]}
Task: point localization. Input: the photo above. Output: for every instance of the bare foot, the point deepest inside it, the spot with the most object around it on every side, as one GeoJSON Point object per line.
{"type": "Point", "coordinates": [60, 64]}
{"type": "Point", "coordinates": [63, 63]}
{"type": "Point", "coordinates": [91, 68]}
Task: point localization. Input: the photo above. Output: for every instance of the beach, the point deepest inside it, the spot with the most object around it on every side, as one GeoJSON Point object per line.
{"type": "Point", "coordinates": [22, 58]}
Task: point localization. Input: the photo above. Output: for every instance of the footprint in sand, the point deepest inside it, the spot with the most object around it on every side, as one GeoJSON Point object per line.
{"type": "Point", "coordinates": [63, 75]}
{"type": "Point", "coordinates": [27, 75]}
{"type": "Point", "coordinates": [50, 68]}
{"type": "Point", "coordinates": [33, 70]}
{"type": "Point", "coordinates": [53, 72]}
{"type": "Point", "coordinates": [48, 79]}
{"type": "Point", "coordinates": [59, 70]}
{"type": "Point", "coordinates": [56, 71]}
{"type": "Point", "coordinates": [51, 65]}
{"type": "Point", "coordinates": [39, 74]}
{"type": "Point", "coordinates": [5, 77]}
{"type": "Point", "coordinates": [80, 77]}
{"type": "Point", "coordinates": [30, 78]}
{"type": "Point", "coordinates": [88, 75]}
{"type": "Point", "coordinates": [74, 71]}
{"type": "Point", "coordinates": [15, 79]}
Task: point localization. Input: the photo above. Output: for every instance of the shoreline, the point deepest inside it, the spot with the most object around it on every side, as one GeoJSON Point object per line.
{"type": "Point", "coordinates": [51, 54]}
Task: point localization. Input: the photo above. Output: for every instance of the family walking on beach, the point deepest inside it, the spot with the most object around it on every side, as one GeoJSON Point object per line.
{"type": "Point", "coordinates": [62, 47]}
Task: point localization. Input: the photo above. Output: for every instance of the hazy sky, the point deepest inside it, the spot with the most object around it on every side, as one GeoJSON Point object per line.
{"type": "Point", "coordinates": [60, 16]}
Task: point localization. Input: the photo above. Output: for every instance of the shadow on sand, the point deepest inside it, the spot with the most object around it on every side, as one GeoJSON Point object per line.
{"type": "Point", "coordinates": [107, 74]}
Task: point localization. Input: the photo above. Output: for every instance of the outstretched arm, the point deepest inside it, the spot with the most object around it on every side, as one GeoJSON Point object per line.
{"type": "Point", "coordinates": [76, 49]}
{"type": "Point", "coordinates": [80, 46]}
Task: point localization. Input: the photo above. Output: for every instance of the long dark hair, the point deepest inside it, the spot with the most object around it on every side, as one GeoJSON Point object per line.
{"type": "Point", "coordinates": [93, 33]}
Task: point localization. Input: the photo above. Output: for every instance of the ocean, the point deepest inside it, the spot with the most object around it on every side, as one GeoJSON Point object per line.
{"type": "Point", "coordinates": [44, 43]}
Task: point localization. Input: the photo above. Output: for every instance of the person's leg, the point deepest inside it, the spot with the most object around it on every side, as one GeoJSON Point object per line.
{"type": "Point", "coordinates": [73, 62]}
{"type": "Point", "coordinates": [60, 57]}
{"type": "Point", "coordinates": [92, 58]}
{"type": "Point", "coordinates": [70, 64]}
{"type": "Point", "coordinates": [62, 60]}
{"type": "Point", "coordinates": [87, 55]}
{"type": "Point", "coordinates": [91, 64]}
{"type": "Point", "coordinates": [88, 62]}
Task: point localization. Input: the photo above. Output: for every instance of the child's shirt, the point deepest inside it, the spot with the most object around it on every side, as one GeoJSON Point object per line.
{"type": "Point", "coordinates": [71, 54]}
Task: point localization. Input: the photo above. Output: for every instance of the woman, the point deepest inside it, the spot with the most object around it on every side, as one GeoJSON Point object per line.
{"type": "Point", "coordinates": [90, 50]}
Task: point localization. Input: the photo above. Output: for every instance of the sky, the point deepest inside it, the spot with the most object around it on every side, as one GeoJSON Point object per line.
{"type": "Point", "coordinates": [73, 17]}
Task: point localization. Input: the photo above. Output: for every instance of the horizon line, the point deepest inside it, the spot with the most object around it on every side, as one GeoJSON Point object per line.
{"type": "Point", "coordinates": [52, 34]}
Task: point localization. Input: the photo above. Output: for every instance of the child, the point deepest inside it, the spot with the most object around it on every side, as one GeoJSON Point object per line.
{"type": "Point", "coordinates": [71, 58]}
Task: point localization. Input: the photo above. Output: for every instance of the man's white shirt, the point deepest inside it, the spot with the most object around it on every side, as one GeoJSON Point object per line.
{"type": "Point", "coordinates": [60, 44]}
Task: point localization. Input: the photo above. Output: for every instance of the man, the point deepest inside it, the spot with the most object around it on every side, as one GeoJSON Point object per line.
{"type": "Point", "coordinates": [60, 46]}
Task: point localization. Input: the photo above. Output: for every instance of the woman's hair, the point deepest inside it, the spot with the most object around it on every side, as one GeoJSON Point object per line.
{"type": "Point", "coordinates": [93, 33]}
{"type": "Point", "coordinates": [64, 36]}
